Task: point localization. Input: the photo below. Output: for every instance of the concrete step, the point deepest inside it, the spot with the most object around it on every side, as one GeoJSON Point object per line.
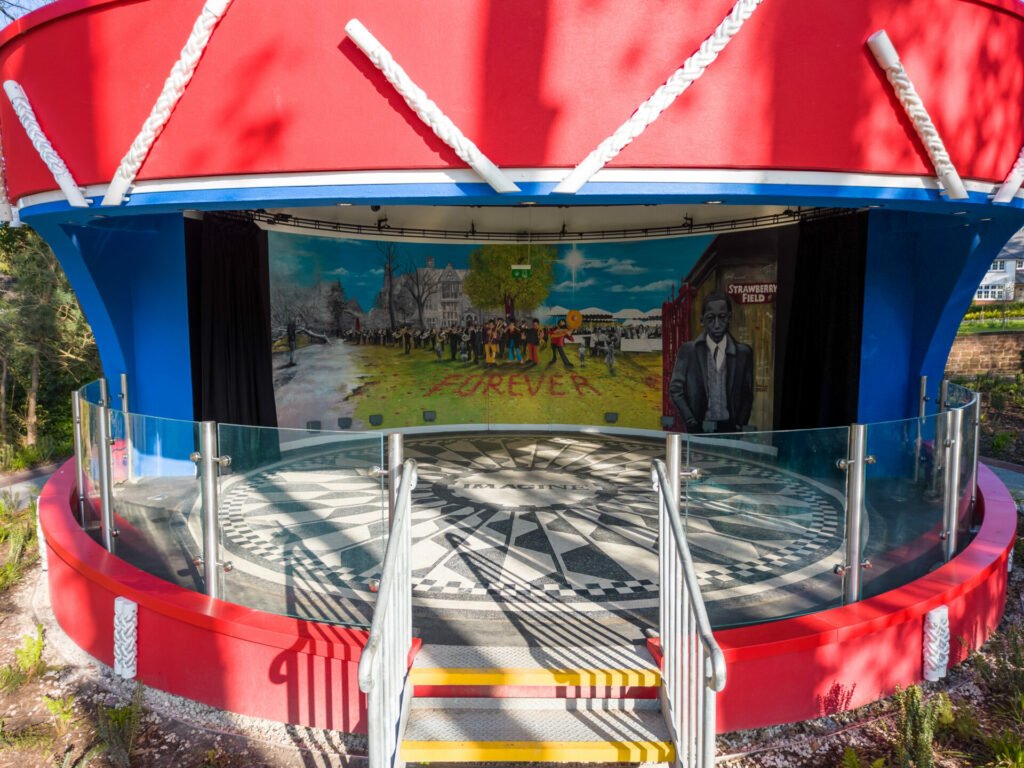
{"type": "Point", "coordinates": [460, 735]}
{"type": "Point", "coordinates": [601, 671]}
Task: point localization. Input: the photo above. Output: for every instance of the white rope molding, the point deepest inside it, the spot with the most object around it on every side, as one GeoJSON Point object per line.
{"type": "Point", "coordinates": [174, 87]}
{"type": "Point", "coordinates": [126, 638]}
{"type": "Point", "coordinates": [427, 110]}
{"type": "Point", "coordinates": [885, 54]}
{"type": "Point", "coordinates": [661, 99]}
{"type": "Point", "coordinates": [61, 174]}
{"type": "Point", "coordinates": [1014, 181]}
{"type": "Point", "coordinates": [936, 643]}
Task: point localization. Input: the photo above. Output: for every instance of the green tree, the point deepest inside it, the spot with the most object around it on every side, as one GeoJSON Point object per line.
{"type": "Point", "coordinates": [46, 347]}
{"type": "Point", "coordinates": [491, 285]}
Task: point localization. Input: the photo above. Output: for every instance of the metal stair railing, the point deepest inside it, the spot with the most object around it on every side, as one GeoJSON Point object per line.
{"type": "Point", "coordinates": [384, 664]}
{"type": "Point", "coordinates": [693, 667]}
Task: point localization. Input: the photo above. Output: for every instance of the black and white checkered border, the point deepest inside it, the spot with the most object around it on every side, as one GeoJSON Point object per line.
{"type": "Point", "coordinates": [616, 590]}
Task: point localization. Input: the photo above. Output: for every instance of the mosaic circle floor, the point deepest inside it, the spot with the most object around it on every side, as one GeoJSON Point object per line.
{"type": "Point", "coordinates": [535, 520]}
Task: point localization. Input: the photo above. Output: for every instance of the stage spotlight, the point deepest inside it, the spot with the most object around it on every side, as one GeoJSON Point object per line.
{"type": "Point", "coordinates": [313, 426]}
{"type": "Point", "coordinates": [344, 422]}
{"type": "Point", "coordinates": [611, 417]}
{"type": "Point", "coordinates": [374, 208]}
{"type": "Point", "coordinates": [667, 422]}
{"type": "Point", "coordinates": [376, 419]}
{"type": "Point", "coordinates": [430, 415]}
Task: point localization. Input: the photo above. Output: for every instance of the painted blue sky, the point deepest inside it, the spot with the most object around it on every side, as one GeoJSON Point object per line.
{"type": "Point", "coordinates": [611, 276]}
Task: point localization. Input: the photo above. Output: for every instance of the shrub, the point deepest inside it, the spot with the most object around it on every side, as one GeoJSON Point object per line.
{"type": "Point", "coordinates": [119, 727]}
{"type": "Point", "coordinates": [62, 709]}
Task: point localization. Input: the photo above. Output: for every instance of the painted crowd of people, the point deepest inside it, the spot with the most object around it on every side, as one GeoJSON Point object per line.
{"type": "Point", "coordinates": [521, 342]}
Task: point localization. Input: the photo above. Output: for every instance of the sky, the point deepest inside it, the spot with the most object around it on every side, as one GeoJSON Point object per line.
{"type": "Point", "coordinates": [19, 8]}
{"type": "Point", "coordinates": [608, 276]}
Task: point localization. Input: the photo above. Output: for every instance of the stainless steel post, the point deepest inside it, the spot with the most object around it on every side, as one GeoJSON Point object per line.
{"type": "Point", "coordinates": [944, 395]}
{"type": "Point", "coordinates": [104, 395]}
{"type": "Point", "coordinates": [209, 466]}
{"type": "Point", "coordinates": [922, 412]}
{"type": "Point", "coordinates": [76, 416]}
{"type": "Point", "coordinates": [953, 446]}
{"type": "Point", "coordinates": [394, 474]}
{"type": "Point", "coordinates": [129, 453]}
{"type": "Point", "coordinates": [106, 481]}
{"type": "Point", "coordinates": [674, 464]}
{"type": "Point", "coordinates": [854, 464]}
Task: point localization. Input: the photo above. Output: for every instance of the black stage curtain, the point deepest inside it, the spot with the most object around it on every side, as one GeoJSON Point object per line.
{"type": "Point", "coordinates": [820, 312]}
{"type": "Point", "coordinates": [229, 328]}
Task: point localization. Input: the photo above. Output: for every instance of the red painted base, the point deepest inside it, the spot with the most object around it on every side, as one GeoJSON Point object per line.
{"type": "Point", "coordinates": [305, 673]}
{"type": "Point", "coordinates": [816, 665]}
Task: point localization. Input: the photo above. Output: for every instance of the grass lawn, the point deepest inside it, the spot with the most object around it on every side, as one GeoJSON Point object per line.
{"type": "Point", "coordinates": [402, 386]}
{"type": "Point", "coordinates": [984, 326]}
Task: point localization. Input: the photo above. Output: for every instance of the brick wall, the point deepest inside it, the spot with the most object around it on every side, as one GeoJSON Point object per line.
{"type": "Point", "coordinates": [996, 352]}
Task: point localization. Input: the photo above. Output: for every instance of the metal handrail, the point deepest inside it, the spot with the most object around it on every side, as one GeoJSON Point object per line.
{"type": "Point", "coordinates": [716, 678]}
{"type": "Point", "coordinates": [387, 579]}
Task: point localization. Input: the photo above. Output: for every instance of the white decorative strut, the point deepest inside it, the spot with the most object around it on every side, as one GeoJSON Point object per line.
{"type": "Point", "coordinates": [174, 87]}
{"type": "Point", "coordinates": [936, 643]}
{"type": "Point", "coordinates": [427, 110]}
{"type": "Point", "coordinates": [1014, 181]}
{"type": "Point", "coordinates": [126, 637]}
{"type": "Point", "coordinates": [61, 174]}
{"type": "Point", "coordinates": [41, 540]}
{"type": "Point", "coordinates": [662, 98]}
{"type": "Point", "coordinates": [1009, 561]}
{"type": "Point", "coordinates": [885, 54]}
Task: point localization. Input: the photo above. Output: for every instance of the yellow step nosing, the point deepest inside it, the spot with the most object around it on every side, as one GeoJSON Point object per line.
{"type": "Point", "coordinates": [536, 676]}
{"type": "Point", "coordinates": [538, 751]}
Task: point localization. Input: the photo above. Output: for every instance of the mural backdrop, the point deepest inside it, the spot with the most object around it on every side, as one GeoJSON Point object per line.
{"type": "Point", "coordinates": [378, 334]}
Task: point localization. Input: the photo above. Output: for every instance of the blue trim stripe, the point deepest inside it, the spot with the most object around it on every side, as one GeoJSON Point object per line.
{"type": "Point", "coordinates": [598, 193]}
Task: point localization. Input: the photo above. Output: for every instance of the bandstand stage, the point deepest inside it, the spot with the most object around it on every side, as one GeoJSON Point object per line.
{"type": "Point", "coordinates": [558, 415]}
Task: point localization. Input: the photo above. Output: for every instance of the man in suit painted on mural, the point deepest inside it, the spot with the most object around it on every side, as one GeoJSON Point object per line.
{"type": "Point", "coordinates": [712, 384]}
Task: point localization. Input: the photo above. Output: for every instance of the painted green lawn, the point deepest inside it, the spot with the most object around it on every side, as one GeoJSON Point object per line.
{"type": "Point", "coordinates": [403, 386]}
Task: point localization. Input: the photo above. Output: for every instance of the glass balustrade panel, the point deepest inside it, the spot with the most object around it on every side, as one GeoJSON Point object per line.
{"type": "Point", "coordinates": [156, 500]}
{"type": "Point", "coordinates": [767, 523]}
{"type": "Point", "coordinates": [303, 521]}
{"type": "Point", "coordinates": [904, 494]}
{"type": "Point", "coordinates": [965, 510]}
{"type": "Point", "coordinates": [90, 457]}
{"type": "Point", "coordinates": [957, 395]}
{"type": "Point", "coordinates": [92, 392]}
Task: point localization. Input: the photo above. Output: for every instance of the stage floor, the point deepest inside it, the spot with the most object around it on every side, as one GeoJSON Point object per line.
{"type": "Point", "coordinates": [510, 527]}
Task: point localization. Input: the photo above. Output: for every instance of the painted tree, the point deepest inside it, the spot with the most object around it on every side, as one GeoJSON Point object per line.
{"type": "Point", "coordinates": [421, 285]}
{"type": "Point", "coordinates": [337, 305]}
{"type": "Point", "coordinates": [389, 258]}
{"type": "Point", "coordinates": [491, 285]}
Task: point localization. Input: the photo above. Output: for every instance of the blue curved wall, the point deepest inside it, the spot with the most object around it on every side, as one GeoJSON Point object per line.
{"type": "Point", "coordinates": [921, 274]}
{"type": "Point", "coordinates": [129, 276]}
